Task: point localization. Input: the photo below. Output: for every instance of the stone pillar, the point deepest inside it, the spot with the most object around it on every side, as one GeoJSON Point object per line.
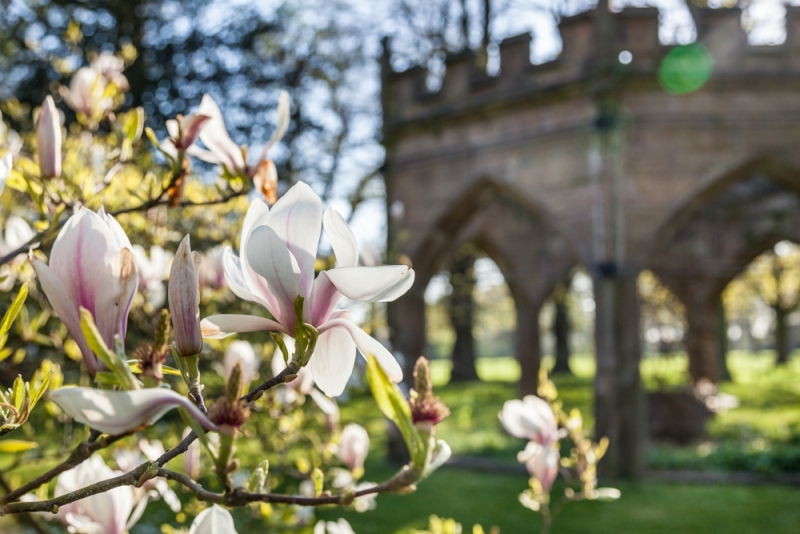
{"type": "Point", "coordinates": [461, 309]}
{"type": "Point", "coordinates": [561, 330]}
{"type": "Point", "coordinates": [701, 341]}
{"type": "Point", "coordinates": [527, 344]}
{"type": "Point", "coordinates": [406, 318]}
{"type": "Point", "coordinates": [619, 399]}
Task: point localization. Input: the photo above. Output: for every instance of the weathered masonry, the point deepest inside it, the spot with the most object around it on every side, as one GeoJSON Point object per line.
{"type": "Point", "coordinates": [586, 161]}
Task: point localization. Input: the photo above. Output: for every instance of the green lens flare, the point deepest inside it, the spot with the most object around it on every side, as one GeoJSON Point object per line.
{"type": "Point", "coordinates": [686, 69]}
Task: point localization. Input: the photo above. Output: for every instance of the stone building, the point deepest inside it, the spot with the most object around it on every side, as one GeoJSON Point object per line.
{"type": "Point", "coordinates": [586, 161]}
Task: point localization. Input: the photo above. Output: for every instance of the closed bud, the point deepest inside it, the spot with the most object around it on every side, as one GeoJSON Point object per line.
{"type": "Point", "coordinates": [184, 300]}
{"type": "Point", "coordinates": [48, 138]}
{"type": "Point", "coordinates": [233, 389]}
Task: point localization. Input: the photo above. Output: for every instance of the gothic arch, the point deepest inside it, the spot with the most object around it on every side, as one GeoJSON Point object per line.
{"type": "Point", "coordinates": [519, 236]}
{"type": "Point", "coordinates": [713, 235]}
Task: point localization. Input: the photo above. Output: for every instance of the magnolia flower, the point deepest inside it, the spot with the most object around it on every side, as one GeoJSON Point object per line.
{"type": "Point", "coordinates": [213, 520]}
{"type": "Point", "coordinates": [110, 67]}
{"type": "Point", "coordinates": [183, 132]}
{"type": "Point", "coordinates": [86, 93]}
{"type": "Point", "coordinates": [48, 139]}
{"type": "Point", "coordinates": [184, 300]}
{"type": "Point", "coordinates": [541, 461]}
{"type": "Point", "coordinates": [191, 458]}
{"type": "Point", "coordinates": [5, 170]}
{"type": "Point", "coordinates": [304, 385]}
{"type": "Point", "coordinates": [211, 274]}
{"type": "Point", "coordinates": [116, 412]}
{"type": "Point", "coordinates": [339, 527]}
{"type": "Point", "coordinates": [223, 151]}
{"type": "Point", "coordinates": [16, 233]}
{"type": "Point", "coordinates": [353, 446]}
{"type": "Point", "coordinates": [242, 352]}
{"type": "Point", "coordinates": [108, 512]}
{"type": "Point", "coordinates": [530, 418]}
{"type": "Point", "coordinates": [153, 489]}
{"type": "Point", "coordinates": [153, 270]}
{"type": "Point", "coordinates": [91, 266]}
{"type": "Point", "coordinates": [276, 265]}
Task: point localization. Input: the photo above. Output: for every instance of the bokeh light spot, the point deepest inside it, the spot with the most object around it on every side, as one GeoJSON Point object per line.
{"type": "Point", "coordinates": [686, 69]}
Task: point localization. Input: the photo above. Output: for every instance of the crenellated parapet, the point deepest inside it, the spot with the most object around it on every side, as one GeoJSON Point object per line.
{"type": "Point", "coordinates": [586, 56]}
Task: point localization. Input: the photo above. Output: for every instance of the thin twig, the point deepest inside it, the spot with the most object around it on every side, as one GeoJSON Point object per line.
{"type": "Point", "coordinates": [27, 519]}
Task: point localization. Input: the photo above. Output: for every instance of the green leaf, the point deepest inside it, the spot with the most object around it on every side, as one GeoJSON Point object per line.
{"type": "Point", "coordinates": [101, 350]}
{"type": "Point", "coordinates": [106, 378]}
{"type": "Point", "coordinates": [13, 310]}
{"type": "Point", "coordinates": [259, 478]}
{"type": "Point", "coordinates": [36, 395]}
{"type": "Point", "coordinates": [319, 481]}
{"type": "Point", "coordinates": [133, 123]}
{"type": "Point", "coordinates": [12, 446]}
{"type": "Point", "coordinates": [394, 405]}
{"type": "Point", "coordinates": [5, 352]}
{"type": "Point", "coordinates": [18, 393]}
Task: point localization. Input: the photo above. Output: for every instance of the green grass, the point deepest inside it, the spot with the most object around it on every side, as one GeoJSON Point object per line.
{"type": "Point", "coordinates": [491, 500]}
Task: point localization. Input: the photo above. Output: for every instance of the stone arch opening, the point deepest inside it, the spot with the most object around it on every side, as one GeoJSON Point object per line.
{"type": "Point", "coordinates": [712, 237]}
{"type": "Point", "coordinates": [519, 236]}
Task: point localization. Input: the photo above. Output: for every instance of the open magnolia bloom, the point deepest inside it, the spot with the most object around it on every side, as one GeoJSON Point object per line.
{"type": "Point", "coordinates": [115, 412]}
{"type": "Point", "coordinates": [213, 520]}
{"type": "Point", "coordinates": [353, 447]}
{"type": "Point", "coordinates": [339, 527]}
{"type": "Point", "coordinates": [153, 489]}
{"type": "Point", "coordinates": [277, 252]}
{"type": "Point", "coordinates": [541, 461]}
{"type": "Point", "coordinates": [92, 266]}
{"type": "Point", "coordinates": [108, 512]}
{"type": "Point", "coordinates": [530, 418]}
{"type": "Point", "coordinates": [223, 151]}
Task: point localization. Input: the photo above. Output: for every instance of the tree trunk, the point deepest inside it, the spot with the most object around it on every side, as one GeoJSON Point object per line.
{"type": "Point", "coordinates": [461, 308]}
{"type": "Point", "coordinates": [781, 334]}
{"type": "Point", "coordinates": [722, 336]}
{"type": "Point", "coordinates": [561, 330]}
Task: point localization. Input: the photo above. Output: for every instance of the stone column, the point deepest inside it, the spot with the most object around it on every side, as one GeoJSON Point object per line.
{"type": "Point", "coordinates": [527, 344]}
{"type": "Point", "coordinates": [406, 318]}
{"type": "Point", "coordinates": [619, 399]}
{"type": "Point", "coordinates": [701, 341]}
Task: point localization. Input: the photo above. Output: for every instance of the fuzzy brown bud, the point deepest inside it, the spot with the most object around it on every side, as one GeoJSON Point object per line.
{"type": "Point", "coordinates": [161, 338]}
{"type": "Point", "coordinates": [426, 408]}
{"type": "Point", "coordinates": [151, 360]}
{"type": "Point", "coordinates": [224, 414]}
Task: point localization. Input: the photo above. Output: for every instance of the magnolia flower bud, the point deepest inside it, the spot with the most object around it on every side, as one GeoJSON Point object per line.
{"type": "Point", "coordinates": [184, 300]}
{"type": "Point", "coordinates": [48, 137]}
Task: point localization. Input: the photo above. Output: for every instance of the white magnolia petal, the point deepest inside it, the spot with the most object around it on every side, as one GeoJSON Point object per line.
{"type": "Point", "coordinates": [234, 276]}
{"type": "Point", "coordinates": [372, 284]}
{"type": "Point", "coordinates": [172, 129]}
{"type": "Point", "coordinates": [18, 231]}
{"type": "Point", "coordinates": [5, 169]}
{"type": "Point", "coordinates": [530, 418]}
{"type": "Point", "coordinates": [257, 215]}
{"type": "Point", "coordinates": [66, 310]}
{"type": "Point", "coordinates": [268, 256]}
{"type": "Point", "coordinates": [113, 303]}
{"type": "Point", "coordinates": [327, 405]}
{"type": "Point", "coordinates": [353, 446]}
{"type": "Point", "coordinates": [296, 218]}
{"type": "Point", "coordinates": [111, 509]}
{"type": "Point", "coordinates": [323, 299]}
{"type": "Point", "coordinates": [213, 520]}
{"type": "Point", "coordinates": [241, 352]}
{"type": "Point", "coordinates": [203, 154]}
{"type": "Point", "coordinates": [343, 241]}
{"type": "Point", "coordinates": [368, 345]}
{"type": "Point", "coordinates": [116, 412]}
{"type": "Point", "coordinates": [333, 360]}
{"type": "Point", "coordinates": [280, 127]}
{"type": "Point", "coordinates": [223, 325]}
{"type": "Point", "coordinates": [216, 138]}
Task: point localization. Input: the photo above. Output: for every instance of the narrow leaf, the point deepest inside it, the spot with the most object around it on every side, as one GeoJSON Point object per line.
{"type": "Point", "coordinates": [392, 403]}
{"type": "Point", "coordinates": [13, 310]}
{"type": "Point", "coordinates": [12, 446]}
{"type": "Point", "coordinates": [18, 393]}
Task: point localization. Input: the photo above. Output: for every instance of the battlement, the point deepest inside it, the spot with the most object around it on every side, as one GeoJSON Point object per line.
{"type": "Point", "coordinates": [592, 42]}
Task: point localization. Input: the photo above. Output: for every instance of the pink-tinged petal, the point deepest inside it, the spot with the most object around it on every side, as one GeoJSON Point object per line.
{"type": "Point", "coordinates": [257, 215]}
{"type": "Point", "coordinates": [213, 520]}
{"type": "Point", "coordinates": [204, 155]}
{"type": "Point", "coordinates": [234, 276]}
{"type": "Point", "coordinates": [372, 284]}
{"type": "Point", "coordinates": [66, 310]}
{"type": "Point", "coordinates": [530, 418]}
{"type": "Point", "coordinates": [110, 509]}
{"type": "Point", "coordinates": [5, 169]}
{"type": "Point", "coordinates": [323, 300]}
{"type": "Point", "coordinates": [333, 360]}
{"type": "Point", "coordinates": [48, 138]}
{"type": "Point", "coordinates": [191, 128]}
{"type": "Point", "coordinates": [367, 345]}
{"type": "Point", "coordinates": [281, 126]}
{"type": "Point", "coordinates": [343, 241]}
{"type": "Point", "coordinates": [296, 218]}
{"type": "Point", "coordinates": [216, 138]}
{"type": "Point", "coordinates": [328, 406]}
{"type": "Point", "coordinates": [220, 326]}
{"type": "Point", "coordinates": [173, 129]}
{"type": "Point", "coordinates": [268, 256]}
{"type": "Point", "coordinates": [115, 412]}
{"type": "Point", "coordinates": [115, 296]}
{"type": "Point", "coordinates": [353, 446]}
{"type": "Point", "coordinates": [541, 462]}
{"type": "Point", "coordinates": [184, 299]}
{"type": "Point", "coordinates": [120, 237]}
